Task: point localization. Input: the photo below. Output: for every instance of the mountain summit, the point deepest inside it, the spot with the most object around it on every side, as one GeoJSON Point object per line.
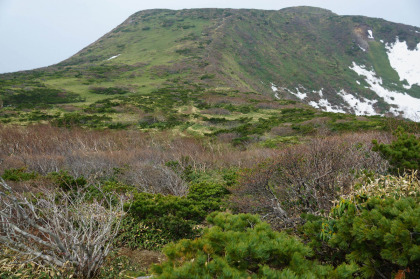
{"type": "Point", "coordinates": [350, 64]}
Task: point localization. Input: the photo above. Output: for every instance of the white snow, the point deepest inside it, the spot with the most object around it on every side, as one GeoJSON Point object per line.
{"type": "Point", "coordinates": [300, 95]}
{"type": "Point", "coordinates": [370, 34]}
{"type": "Point", "coordinates": [275, 89]}
{"type": "Point", "coordinates": [405, 104]}
{"type": "Point", "coordinates": [358, 82]}
{"type": "Point", "coordinates": [320, 93]}
{"type": "Point", "coordinates": [362, 48]}
{"type": "Point", "coordinates": [382, 41]}
{"type": "Point", "coordinates": [325, 106]}
{"type": "Point", "coordinates": [115, 56]}
{"type": "Point", "coordinates": [361, 106]}
{"type": "Point", "coordinates": [406, 62]}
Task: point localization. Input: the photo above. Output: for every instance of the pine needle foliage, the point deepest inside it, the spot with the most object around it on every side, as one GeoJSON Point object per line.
{"type": "Point", "coordinates": [403, 153]}
{"type": "Point", "coordinates": [242, 246]}
{"type": "Point", "coordinates": [377, 226]}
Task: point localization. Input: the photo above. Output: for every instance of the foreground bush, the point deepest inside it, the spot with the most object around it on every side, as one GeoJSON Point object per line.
{"type": "Point", "coordinates": [403, 153]}
{"type": "Point", "coordinates": [241, 246]}
{"type": "Point", "coordinates": [61, 229]}
{"type": "Point", "coordinates": [304, 178]}
{"type": "Point", "coordinates": [377, 226]}
{"type": "Point", "coordinates": [172, 217]}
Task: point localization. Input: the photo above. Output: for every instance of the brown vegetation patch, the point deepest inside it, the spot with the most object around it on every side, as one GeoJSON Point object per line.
{"type": "Point", "coordinates": [283, 131]}
{"type": "Point", "coordinates": [216, 111]}
{"type": "Point", "coordinates": [142, 258]}
{"type": "Point", "coordinates": [96, 154]}
{"type": "Point", "coordinates": [306, 178]}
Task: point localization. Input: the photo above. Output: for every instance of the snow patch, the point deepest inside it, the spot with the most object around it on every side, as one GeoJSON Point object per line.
{"type": "Point", "coordinates": [300, 95]}
{"type": "Point", "coordinates": [320, 93]}
{"type": "Point", "coordinates": [370, 34]}
{"type": "Point", "coordinates": [362, 48]}
{"type": "Point", "coordinates": [404, 104]}
{"type": "Point", "coordinates": [325, 105]}
{"type": "Point", "coordinates": [275, 89]}
{"type": "Point", "coordinates": [382, 41]}
{"type": "Point", "coordinates": [112, 57]}
{"type": "Point", "coordinates": [358, 82]}
{"type": "Point", "coordinates": [404, 61]}
{"type": "Point", "coordinates": [361, 106]}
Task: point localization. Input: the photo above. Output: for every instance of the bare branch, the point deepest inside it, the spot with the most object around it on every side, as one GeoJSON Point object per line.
{"type": "Point", "coordinates": [57, 227]}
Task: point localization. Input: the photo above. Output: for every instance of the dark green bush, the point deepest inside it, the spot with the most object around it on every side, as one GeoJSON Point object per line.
{"type": "Point", "coordinates": [67, 182]}
{"type": "Point", "coordinates": [177, 216]}
{"type": "Point", "coordinates": [109, 90]}
{"type": "Point", "coordinates": [403, 153]}
{"type": "Point", "coordinates": [40, 97]}
{"type": "Point", "coordinates": [381, 235]}
{"type": "Point", "coordinates": [71, 119]}
{"type": "Point", "coordinates": [135, 234]}
{"type": "Point", "coordinates": [241, 246]}
{"type": "Point", "coordinates": [18, 174]}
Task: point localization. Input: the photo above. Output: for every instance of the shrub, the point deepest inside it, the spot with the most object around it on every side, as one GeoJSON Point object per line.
{"type": "Point", "coordinates": [207, 195]}
{"type": "Point", "coordinates": [136, 234]}
{"type": "Point", "coordinates": [70, 119]}
{"type": "Point", "coordinates": [60, 229]}
{"type": "Point", "coordinates": [178, 217]}
{"type": "Point", "coordinates": [241, 246]}
{"type": "Point", "coordinates": [67, 182]}
{"type": "Point", "coordinates": [40, 97]}
{"type": "Point", "coordinates": [377, 228]}
{"type": "Point", "coordinates": [397, 187]}
{"type": "Point", "coordinates": [18, 175]}
{"type": "Point", "coordinates": [303, 179]}
{"type": "Point", "coordinates": [109, 90]}
{"type": "Point", "coordinates": [403, 153]}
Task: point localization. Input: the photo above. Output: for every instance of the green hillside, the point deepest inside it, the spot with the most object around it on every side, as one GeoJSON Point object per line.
{"type": "Point", "coordinates": [212, 71]}
{"type": "Point", "coordinates": [216, 143]}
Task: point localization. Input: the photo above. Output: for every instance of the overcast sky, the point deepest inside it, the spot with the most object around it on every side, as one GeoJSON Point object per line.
{"type": "Point", "coordinates": [37, 33]}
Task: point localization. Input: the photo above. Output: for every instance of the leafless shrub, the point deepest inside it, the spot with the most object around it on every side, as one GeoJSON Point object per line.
{"type": "Point", "coordinates": [61, 229]}
{"type": "Point", "coordinates": [283, 131]}
{"type": "Point", "coordinates": [307, 177]}
{"type": "Point", "coordinates": [95, 154]}
{"type": "Point", "coordinates": [156, 179]}
{"type": "Point", "coordinates": [216, 111]}
{"type": "Point", "coordinates": [227, 137]}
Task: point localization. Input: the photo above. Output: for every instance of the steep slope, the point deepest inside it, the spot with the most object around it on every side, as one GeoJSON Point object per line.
{"type": "Point", "coordinates": [335, 63]}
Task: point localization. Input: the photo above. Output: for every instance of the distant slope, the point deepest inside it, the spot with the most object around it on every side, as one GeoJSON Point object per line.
{"type": "Point", "coordinates": [335, 63]}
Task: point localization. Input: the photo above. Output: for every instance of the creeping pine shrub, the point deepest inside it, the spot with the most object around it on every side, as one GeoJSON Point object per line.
{"type": "Point", "coordinates": [171, 217]}
{"type": "Point", "coordinates": [20, 174]}
{"type": "Point", "coordinates": [241, 246]}
{"type": "Point", "coordinates": [377, 226]}
{"type": "Point", "coordinates": [65, 181]}
{"type": "Point", "coordinates": [403, 153]}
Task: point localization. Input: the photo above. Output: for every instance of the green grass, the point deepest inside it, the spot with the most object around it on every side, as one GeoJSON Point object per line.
{"type": "Point", "coordinates": [171, 61]}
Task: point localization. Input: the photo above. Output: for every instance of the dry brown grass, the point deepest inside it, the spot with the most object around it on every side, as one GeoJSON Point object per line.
{"type": "Point", "coordinates": [307, 177]}
{"type": "Point", "coordinates": [95, 154]}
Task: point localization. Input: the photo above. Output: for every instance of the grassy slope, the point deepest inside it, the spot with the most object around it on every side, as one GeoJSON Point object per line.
{"type": "Point", "coordinates": [176, 65]}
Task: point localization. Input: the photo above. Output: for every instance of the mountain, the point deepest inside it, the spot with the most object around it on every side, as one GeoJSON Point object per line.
{"type": "Point", "coordinates": [348, 64]}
